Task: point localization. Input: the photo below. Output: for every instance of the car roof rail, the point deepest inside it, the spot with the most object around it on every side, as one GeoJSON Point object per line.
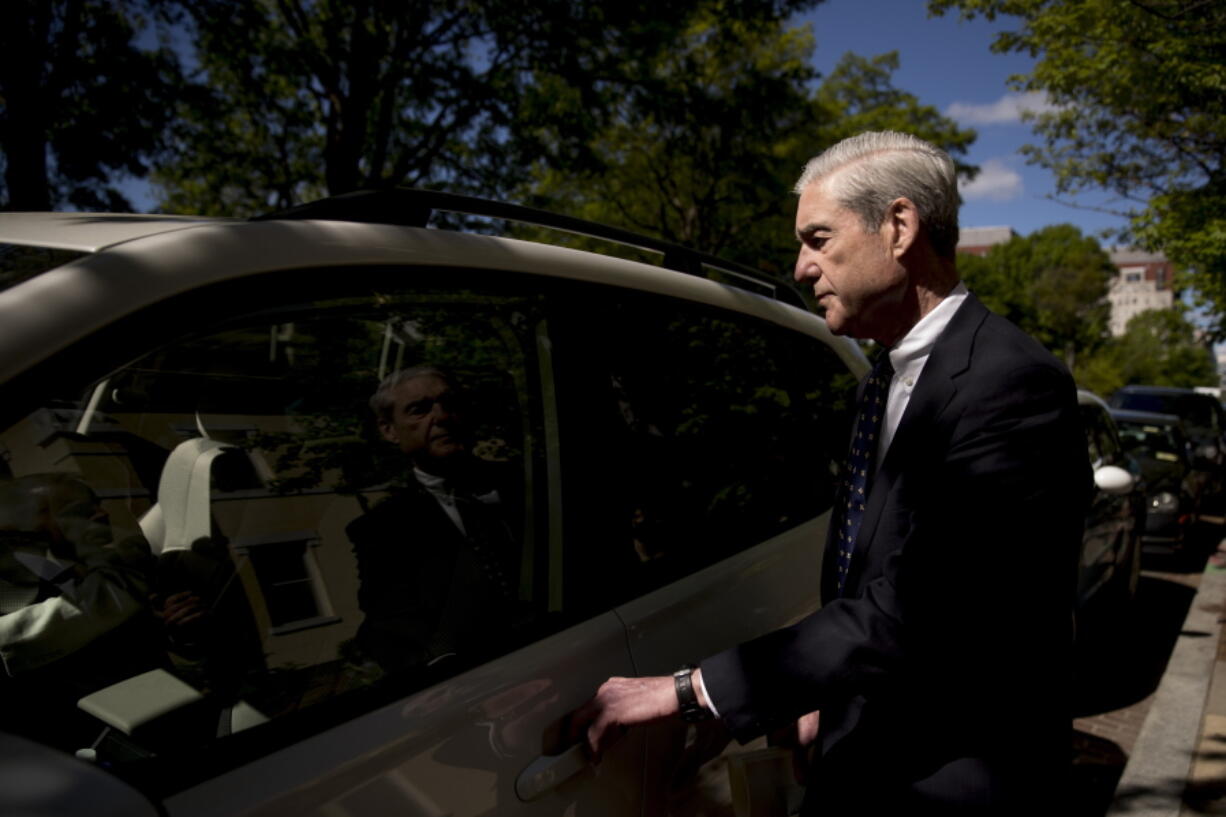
{"type": "Point", "coordinates": [413, 207]}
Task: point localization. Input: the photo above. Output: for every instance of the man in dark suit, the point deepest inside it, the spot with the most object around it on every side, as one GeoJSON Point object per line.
{"type": "Point", "coordinates": [935, 678]}
{"type": "Point", "coordinates": [437, 562]}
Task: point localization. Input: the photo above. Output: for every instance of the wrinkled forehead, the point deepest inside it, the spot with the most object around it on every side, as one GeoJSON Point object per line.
{"type": "Point", "coordinates": [423, 385]}
{"type": "Point", "coordinates": [819, 209]}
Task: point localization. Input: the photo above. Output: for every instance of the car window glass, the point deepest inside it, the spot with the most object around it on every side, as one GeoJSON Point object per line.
{"type": "Point", "coordinates": [224, 534]}
{"type": "Point", "coordinates": [19, 262]}
{"type": "Point", "coordinates": [705, 432]}
{"type": "Point", "coordinates": [1090, 420]}
{"type": "Point", "coordinates": [1147, 439]}
{"type": "Point", "coordinates": [1108, 440]}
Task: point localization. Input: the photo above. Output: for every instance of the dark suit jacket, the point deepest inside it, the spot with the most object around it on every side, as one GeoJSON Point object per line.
{"type": "Point", "coordinates": [424, 589]}
{"type": "Point", "coordinates": [943, 674]}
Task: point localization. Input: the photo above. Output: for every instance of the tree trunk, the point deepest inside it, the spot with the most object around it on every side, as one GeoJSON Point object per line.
{"type": "Point", "coordinates": [23, 136]}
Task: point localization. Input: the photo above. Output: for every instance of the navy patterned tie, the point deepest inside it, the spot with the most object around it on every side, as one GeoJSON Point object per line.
{"type": "Point", "coordinates": [858, 473]}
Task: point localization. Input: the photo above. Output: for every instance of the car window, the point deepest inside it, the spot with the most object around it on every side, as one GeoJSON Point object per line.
{"type": "Point", "coordinates": [1149, 439]}
{"type": "Point", "coordinates": [1098, 439]}
{"type": "Point", "coordinates": [19, 263]}
{"type": "Point", "coordinates": [224, 535]}
{"type": "Point", "coordinates": [703, 433]}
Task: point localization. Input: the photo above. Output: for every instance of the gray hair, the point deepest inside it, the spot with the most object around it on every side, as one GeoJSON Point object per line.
{"type": "Point", "coordinates": [383, 400]}
{"type": "Point", "coordinates": [868, 171]}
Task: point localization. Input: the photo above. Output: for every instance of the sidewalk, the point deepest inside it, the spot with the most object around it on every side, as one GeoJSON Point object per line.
{"type": "Point", "coordinates": [1178, 765]}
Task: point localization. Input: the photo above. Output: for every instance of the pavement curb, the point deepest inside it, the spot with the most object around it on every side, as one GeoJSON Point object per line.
{"type": "Point", "coordinates": [1160, 765]}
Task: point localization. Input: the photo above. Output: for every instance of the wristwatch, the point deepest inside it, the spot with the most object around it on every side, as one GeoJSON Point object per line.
{"type": "Point", "coordinates": [691, 710]}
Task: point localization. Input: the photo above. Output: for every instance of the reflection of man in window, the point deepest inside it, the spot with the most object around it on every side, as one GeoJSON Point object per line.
{"type": "Point", "coordinates": [437, 563]}
{"type": "Point", "coordinates": [63, 582]}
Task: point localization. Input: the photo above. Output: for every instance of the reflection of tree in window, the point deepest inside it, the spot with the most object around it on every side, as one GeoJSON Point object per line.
{"type": "Point", "coordinates": [728, 446]}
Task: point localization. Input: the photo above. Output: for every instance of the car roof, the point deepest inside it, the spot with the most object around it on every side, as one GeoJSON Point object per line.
{"type": "Point", "coordinates": [1172, 390]}
{"type": "Point", "coordinates": [139, 261]}
{"type": "Point", "coordinates": [1151, 417]}
{"type": "Point", "coordinates": [89, 232]}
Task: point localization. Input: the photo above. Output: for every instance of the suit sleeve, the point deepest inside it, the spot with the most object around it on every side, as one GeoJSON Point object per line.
{"type": "Point", "coordinates": [979, 532]}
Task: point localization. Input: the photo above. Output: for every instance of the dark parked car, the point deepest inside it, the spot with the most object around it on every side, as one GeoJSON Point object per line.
{"type": "Point", "coordinates": [1111, 548]}
{"type": "Point", "coordinates": [1204, 420]}
{"type": "Point", "coordinates": [1174, 488]}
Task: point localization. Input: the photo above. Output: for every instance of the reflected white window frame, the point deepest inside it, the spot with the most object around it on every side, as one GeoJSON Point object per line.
{"type": "Point", "coordinates": [325, 613]}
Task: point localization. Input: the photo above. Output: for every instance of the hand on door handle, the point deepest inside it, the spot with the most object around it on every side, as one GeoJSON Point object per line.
{"type": "Point", "coordinates": [548, 771]}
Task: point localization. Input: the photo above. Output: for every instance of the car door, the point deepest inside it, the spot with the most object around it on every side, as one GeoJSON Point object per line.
{"type": "Point", "coordinates": [207, 495]}
{"type": "Point", "coordinates": [1111, 525]}
{"type": "Point", "coordinates": [700, 479]}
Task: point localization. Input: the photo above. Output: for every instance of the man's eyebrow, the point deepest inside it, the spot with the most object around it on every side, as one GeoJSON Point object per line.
{"type": "Point", "coordinates": [808, 230]}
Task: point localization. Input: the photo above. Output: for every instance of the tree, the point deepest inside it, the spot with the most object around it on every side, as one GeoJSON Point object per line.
{"type": "Point", "coordinates": [709, 156]}
{"type": "Point", "coordinates": [703, 149]}
{"type": "Point", "coordinates": [300, 98]}
{"type": "Point", "coordinates": [1140, 111]}
{"type": "Point", "coordinates": [1159, 347]}
{"type": "Point", "coordinates": [81, 105]}
{"type": "Point", "coordinates": [1052, 283]}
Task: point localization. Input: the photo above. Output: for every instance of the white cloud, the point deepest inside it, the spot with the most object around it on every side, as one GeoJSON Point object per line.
{"type": "Point", "coordinates": [1006, 110]}
{"type": "Point", "coordinates": [996, 182]}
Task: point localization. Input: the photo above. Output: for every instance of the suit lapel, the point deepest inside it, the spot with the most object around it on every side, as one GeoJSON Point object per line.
{"type": "Point", "coordinates": [950, 357]}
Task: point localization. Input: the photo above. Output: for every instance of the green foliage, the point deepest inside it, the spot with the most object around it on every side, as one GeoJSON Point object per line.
{"type": "Point", "coordinates": [708, 158]}
{"type": "Point", "coordinates": [298, 98]}
{"type": "Point", "coordinates": [1159, 347]}
{"type": "Point", "coordinates": [684, 120]}
{"type": "Point", "coordinates": [81, 105]}
{"type": "Point", "coordinates": [859, 95]}
{"type": "Point", "coordinates": [703, 153]}
{"type": "Point", "coordinates": [1140, 111]}
{"type": "Point", "coordinates": [1052, 283]}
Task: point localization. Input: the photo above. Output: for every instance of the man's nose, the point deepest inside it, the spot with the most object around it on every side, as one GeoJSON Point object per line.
{"type": "Point", "coordinates": [806, 269]}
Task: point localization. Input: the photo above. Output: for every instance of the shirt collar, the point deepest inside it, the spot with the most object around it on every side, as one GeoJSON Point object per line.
{"type": "Point", "coordinates": [915, 346]}
{"type": "Point", "coordinates": [430, 482]}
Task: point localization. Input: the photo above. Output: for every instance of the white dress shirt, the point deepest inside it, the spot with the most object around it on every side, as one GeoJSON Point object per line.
{"type": "Point", "coordinates": [443, 494]}
{"type": "Point", "coordinates": [908, 358]}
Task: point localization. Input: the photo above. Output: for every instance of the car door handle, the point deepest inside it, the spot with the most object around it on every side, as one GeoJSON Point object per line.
{"type": "Point", "coordinates": [548, 771]}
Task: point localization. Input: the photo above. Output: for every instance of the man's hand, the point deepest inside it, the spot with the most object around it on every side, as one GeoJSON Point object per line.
{"type": "Point", "coordinates": [619, 704]}
{"type": "Point", "coordinates": [182, 614]}
{"type": "Point", "coordinates": [798, 737]}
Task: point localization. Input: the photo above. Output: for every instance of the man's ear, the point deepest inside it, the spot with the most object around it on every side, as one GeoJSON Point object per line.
{"type": "Point", "coordinates": [903, 225]}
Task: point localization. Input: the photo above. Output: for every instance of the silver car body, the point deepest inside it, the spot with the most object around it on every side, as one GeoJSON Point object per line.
{"type": "Point", "coordinates": [475, 743]}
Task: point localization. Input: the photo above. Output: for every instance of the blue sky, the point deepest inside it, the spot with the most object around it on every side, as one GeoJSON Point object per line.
{"type": "Point", "coordinates": [947, 63]}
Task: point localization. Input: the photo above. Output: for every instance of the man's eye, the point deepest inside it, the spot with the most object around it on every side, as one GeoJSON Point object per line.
{"type": "Point", "coordinates": [419, 407]}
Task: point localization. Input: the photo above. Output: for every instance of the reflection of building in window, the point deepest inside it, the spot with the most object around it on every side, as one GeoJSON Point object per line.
{"type": "Point", "coordinates": [290, 582]}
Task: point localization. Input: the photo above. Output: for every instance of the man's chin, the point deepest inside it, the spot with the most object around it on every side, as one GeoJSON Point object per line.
{"type": "Point", "coordinates": [442, 452]}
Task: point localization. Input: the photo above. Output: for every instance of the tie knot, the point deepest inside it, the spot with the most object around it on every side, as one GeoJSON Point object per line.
{"type": "Point", "coordinates": [882, 368]}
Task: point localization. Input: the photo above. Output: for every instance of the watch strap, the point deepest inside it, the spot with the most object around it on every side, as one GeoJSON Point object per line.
{"type": "Point", "coordinates": [687, 698]}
